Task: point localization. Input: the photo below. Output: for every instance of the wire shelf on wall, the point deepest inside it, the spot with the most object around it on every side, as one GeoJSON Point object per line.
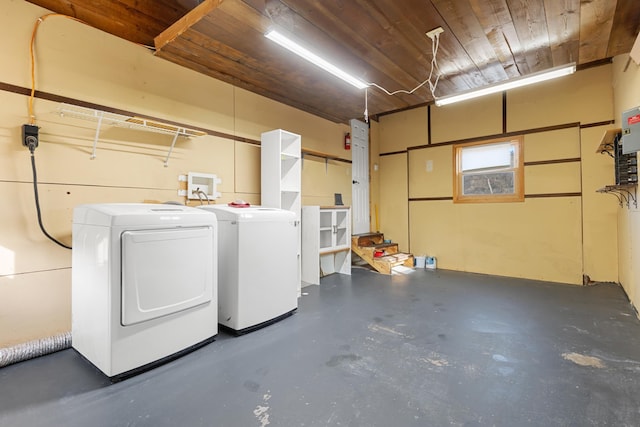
{"type": "Point", "coordinates": [128, 122]}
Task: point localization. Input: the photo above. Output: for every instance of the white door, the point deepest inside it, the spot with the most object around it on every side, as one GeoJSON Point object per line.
{"type": "Point", "coordinates": [360, 176]}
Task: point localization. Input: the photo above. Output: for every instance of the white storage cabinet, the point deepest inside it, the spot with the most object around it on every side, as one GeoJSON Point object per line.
{"type": "Point", "coordinates": [326, 242]}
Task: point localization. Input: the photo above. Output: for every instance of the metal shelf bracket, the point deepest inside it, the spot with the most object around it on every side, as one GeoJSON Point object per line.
{"type": "Point", "coordinates": [626, 194]}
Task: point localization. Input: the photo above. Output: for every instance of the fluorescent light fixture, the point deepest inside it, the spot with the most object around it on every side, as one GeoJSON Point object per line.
{"type": "Point", "coordinates": [294, 47]}
{"type": "Point", "coordinates": [510, 84]}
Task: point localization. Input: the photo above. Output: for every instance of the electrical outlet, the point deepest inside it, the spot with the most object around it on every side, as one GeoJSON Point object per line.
{"type": "Point", "coordinates": [30, 136]}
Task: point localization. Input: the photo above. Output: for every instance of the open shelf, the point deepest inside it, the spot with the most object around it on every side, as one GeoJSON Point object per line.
{"type": "Point", "coordinates": [326, 242]}
{"type": "Point", "coordinates": [607, 144]}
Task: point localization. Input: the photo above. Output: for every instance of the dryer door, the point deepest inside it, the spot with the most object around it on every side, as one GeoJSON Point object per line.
{"type": "Point", "coordinates": [165, 271]}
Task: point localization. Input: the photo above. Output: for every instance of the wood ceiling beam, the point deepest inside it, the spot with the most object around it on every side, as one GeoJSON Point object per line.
{"type": "Point", "coordinates": [596, 21]}
{"type": "Point", "coordinates": [226, 42]}
{"type": "Point", "coordinates": [625, 28]}
{"type": "Point", "coordinates": [498, 26]}
{"type": "Point", "coordinates": [397, 62]}
{"type": "Point", "coordinates": [406, 45]}
{"type": "Point", "coordinates": [186, 23]}
{"type": "Point", "coordinates": [321, 43]}
{"type": "Point", "coordinates": [530, 22]}
{"type": "Point", "coordinates": [563, 23]}
{"type": "Point", "coordinates": [471, 36]}
{"type": "Point", "coordinates": [115, 17]}
{"type": "Point", "coordinates": [297, 73]}
{"type": "Point", "coordinates": [415, 18]}
{"type": "Point", "coordinates": [368, 44]}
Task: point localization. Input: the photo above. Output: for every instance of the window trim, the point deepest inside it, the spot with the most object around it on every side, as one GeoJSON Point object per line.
{"type": "Point", "coordinates": [518, 169]}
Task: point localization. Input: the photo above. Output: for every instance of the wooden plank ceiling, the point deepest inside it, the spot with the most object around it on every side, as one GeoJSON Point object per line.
{"type": "Point", "coordinates": [378, 41]}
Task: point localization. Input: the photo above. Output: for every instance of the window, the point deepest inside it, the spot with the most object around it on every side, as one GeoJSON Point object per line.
{"type": "Point", "coordinates": [488, 171]}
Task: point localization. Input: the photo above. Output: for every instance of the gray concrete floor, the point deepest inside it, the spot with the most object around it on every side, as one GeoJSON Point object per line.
{"type": "Point", "coordinates": [424, 349]}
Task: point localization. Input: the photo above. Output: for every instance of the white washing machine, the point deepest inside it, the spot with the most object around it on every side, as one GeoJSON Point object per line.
{"type": "Point", "coordinates": [258, 266]}
{"type": "Point", "coordinates": [144, 284]}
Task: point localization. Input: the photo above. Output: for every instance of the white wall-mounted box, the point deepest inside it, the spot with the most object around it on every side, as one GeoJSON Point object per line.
{"type": "Point", "coordinates": [201, 185]}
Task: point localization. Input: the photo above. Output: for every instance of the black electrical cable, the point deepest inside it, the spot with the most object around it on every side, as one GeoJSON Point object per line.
{"type": "Point", "coordinates": [35, 192]}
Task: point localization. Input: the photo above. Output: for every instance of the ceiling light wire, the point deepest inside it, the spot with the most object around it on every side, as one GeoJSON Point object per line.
{"type": "Point", "coordinates": [435, 43]}
{"type": "Point", "coordinates": [291, 45]}
{"type": "Point", "coordinates": [366, 105]}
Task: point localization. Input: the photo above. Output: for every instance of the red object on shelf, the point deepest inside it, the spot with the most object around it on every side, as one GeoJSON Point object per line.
{"type": "Point", "coordinates": [378, 254]}
{"type": "Point", "coordinates": [239, 204]}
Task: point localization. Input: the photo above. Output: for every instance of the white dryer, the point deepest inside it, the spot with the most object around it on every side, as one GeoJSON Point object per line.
{"type": "Point", "coordinates": [258, 265]}
{"type": "Point", "coordinates": [144, 284]}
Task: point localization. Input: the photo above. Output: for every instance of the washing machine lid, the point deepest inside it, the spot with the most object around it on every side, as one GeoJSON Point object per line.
{"type": "Point", "coordinates": [253, 213]}
{"type": "Point", "coordinates": [140, 214]}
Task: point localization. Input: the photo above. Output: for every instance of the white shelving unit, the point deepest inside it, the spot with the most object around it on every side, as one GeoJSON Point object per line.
{"type": "Point", "coordinates": [281, 170]}
{"type": "Point", "coordinates": [281, 176]}
{"type": "Point", "coordinates": [326, 242]}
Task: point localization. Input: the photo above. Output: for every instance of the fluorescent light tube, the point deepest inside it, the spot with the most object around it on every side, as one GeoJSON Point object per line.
{"type": "Point", "coordinates": [294, 47]}
{"type": "Point", "coordinates": [500, 87]}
